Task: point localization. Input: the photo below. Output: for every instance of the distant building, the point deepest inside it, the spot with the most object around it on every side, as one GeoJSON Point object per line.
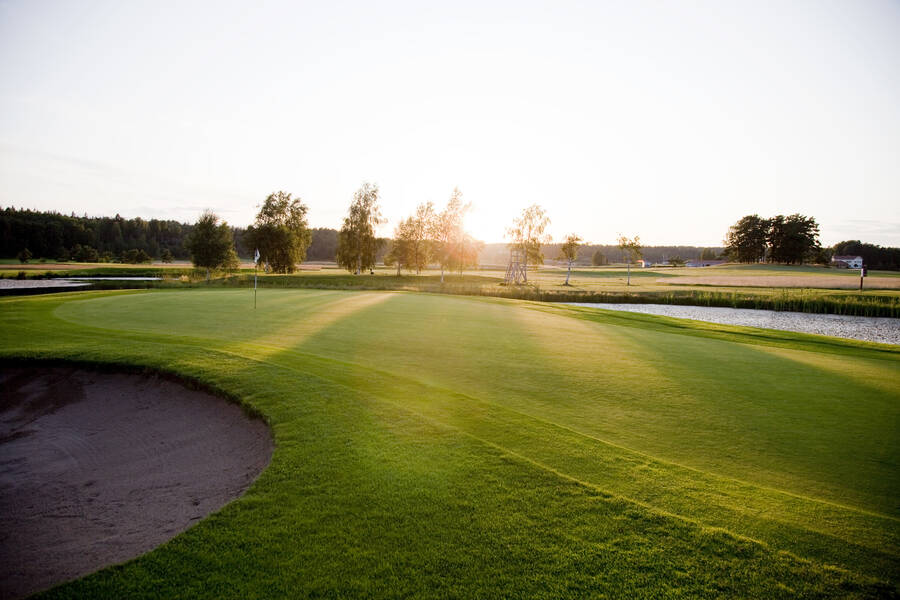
{"type": "Point", "coordinates": [644, 263]}
{"type": "Point", "coordinates": [847, 262]}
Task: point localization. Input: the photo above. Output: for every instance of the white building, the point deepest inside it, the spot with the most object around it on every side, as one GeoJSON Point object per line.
{"type": "Point", "coordinates": [847, 262]}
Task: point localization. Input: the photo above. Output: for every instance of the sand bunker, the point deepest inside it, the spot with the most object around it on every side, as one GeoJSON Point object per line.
{"type": "Point", "coordinates": [97, 468]}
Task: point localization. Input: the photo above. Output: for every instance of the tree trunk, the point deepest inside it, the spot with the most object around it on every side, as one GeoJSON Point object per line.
{"type": "Point", "coordinates": [628, 281]}
{"type": "Point", "coordinates": [442, 272]}
{"type": "Point", "coordinates": [524, 264]}
{"type": "Point", "coordinates": [398, 268]}
{"type": "Point", "coordinates": [568, 273]}
{"type": "Point", "coordinates": [358, 254]}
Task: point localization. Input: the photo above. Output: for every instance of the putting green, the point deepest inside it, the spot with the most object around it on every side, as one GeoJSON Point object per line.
{"type": "Point", "coordinates": [436, 445]}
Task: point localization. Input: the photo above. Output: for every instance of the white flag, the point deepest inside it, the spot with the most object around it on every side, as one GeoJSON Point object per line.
{"type": "Point", "coordinates": [256, 258]}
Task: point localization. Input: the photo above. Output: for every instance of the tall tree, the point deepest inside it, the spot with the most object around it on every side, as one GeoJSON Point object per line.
{"type": "Point", "coordinates": [569, 251]}
{"type": "Point", "coordinates": [527, 235]}
{"type": "Point", "coordinates": [631, 249]}
{"type": "Point", "coordinates": [447, 235]}
{"type": "Point", "coordinates": [467, 251]}
{"type": "Point", "coordinates": [357, 244]}
{"type": "Point", "coordinates": [420, 225]}
{"type": "Point", "coordinates": [280, 232]}
{"type": "Point", "coordinates": [598, 258]}
{"type": "Point", "coordinates": [211, 244]}
{"type": "Point", "coordinates": [401, 251]}
{"type": "Point", "coordinates": [746, 240]}
{"type": "Point", "coordinates": [793, 239]}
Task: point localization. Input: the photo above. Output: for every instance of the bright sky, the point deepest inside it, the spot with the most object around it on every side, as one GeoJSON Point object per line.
{"type": "Point", "coordinates": [670, 120]}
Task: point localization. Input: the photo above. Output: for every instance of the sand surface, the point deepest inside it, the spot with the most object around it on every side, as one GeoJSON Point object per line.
{"type": "Point", "coordinates": [97, 468]}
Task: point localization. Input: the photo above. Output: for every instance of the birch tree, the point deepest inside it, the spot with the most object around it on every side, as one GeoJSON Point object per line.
{"type": "Point", "coordinates": [527, 235]}
{"type": "Point", "coordinates": [631, 249]}
{"type": "Point", "coordinates": [569, 251]}
{"type": "Point", "coordinates": [401, 251]}
{"type": "Point", "coordinates": [419, 228]}
{"type": "Point", "coordinates": [357, 244]}
{"type": "Point", "coordinates": [280, 232]}
{"type": "Point", "coordinates": [447, 231]}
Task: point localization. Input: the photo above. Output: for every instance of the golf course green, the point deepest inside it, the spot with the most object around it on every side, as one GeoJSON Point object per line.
{"type": "Point", "coordinates": [450, 446]}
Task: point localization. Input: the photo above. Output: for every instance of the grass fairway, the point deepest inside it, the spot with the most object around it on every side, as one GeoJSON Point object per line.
{"type": "Point", "coordinates": [446, 446]}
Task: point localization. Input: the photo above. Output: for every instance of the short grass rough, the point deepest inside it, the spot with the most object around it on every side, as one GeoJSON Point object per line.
{"type": "Point", "coordinates": [447, 446]}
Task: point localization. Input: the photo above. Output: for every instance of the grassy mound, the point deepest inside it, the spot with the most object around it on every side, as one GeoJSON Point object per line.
{"type": "Point", "coordinates": [440, 446]}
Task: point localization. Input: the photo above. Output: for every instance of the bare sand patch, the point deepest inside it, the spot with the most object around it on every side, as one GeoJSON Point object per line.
{"type": "Point", "coordinates": [839, 282]}
{"type": "Point", "coordinates": [98, 468]}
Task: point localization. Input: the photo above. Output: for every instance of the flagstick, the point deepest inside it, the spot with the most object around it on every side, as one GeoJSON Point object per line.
{"type": "Point", "coordinates": [255, 270]}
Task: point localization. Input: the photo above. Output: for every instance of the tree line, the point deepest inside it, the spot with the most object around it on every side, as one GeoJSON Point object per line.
{"type": "Point", "coordinates": [55, 236]}
{"type": "Point", "coordinates": [605, 254]}
{"type": "Point", "coordinates": [429, 236]}
{"type": "Point", "coordinates": [874, 256]}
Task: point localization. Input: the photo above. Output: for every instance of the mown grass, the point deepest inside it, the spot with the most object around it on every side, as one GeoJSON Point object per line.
{"type": "Point", "coordinates": [602, 284]}
{"type": "Point", "coordinates": [869, 304]}
{"type": "Point", "coordinates": [437, 446]}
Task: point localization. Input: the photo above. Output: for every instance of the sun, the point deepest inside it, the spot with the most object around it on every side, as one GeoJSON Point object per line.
{"type": "Point", "coordinates": [483, 224]}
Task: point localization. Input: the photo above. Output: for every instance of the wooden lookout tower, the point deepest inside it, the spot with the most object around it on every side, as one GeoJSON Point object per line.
{"type": "Point", "coordinates": [515, 272]}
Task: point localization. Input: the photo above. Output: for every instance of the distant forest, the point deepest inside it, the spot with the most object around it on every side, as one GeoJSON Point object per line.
{"type": "Point", "coordinates": [55, 236]}
{"type": "Point", "coordinates": [498, 254]}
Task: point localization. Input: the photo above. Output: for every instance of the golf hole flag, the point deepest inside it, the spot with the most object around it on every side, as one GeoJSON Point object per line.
{"type": "Point", "coordinates": [255, 265]}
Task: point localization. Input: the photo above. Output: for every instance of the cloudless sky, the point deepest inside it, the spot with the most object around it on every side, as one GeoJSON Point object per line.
{"type": "Point", "coordinates": [670, 120]}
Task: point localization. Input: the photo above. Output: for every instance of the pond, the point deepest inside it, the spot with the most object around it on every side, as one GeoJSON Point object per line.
{"type": "Point", "coordinates": [869, 329]}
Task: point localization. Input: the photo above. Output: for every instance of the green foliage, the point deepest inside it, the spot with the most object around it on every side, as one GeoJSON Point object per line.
{"type": "Point", "coordinates": [166, 256]}
{"type": "Point", "coordinates": [569, 249]}
{"type": "Point", "coordinates": [676, 261]}
{"type": "Point", "coordinates": [324, 244]}
{"type": "Point", "coordinates": [85, 254]}
{"type": "Point", "coordinates": [357, 244]}
{"type": "Point", "coordinates": [631, 248]}
{"type": "Point", "coordinates": [411, 246]}
{"type": "Point", "coordinates": [420, 226]}
{"type": "Point", "coordinates": [526, 234]}
{"type": "Point", "coordinates": [280, 233]}
{"type": "Point", "coordinates": [793, 239]}
{"type": "Point", "coordinates": [56, 235]}
{"type": "Point", "coordinates": [450, 244]}
{"type": "Point", "coordinates": [874, 256]}
{"type": "Point", "coordinates": [708, 254]}
{"type": "Point", "coordinates": [783, 239]}
{"type": "Point", "coordinates": [569, 252]}
{"type": "Point", "coordinates": [400, 252]}
{"type": "Point", "coordinates": [24, 255]}
{"type": "Point", "coordinates": [679, 459]}
{"type": "Point", "coordinates": [135, 256]}
{"type": "Point", "coordinates": [211, 244]}
{"type": "Point", "coordinates": [598, 258]}
{"type": "Point", "coordinates": [746, 240]}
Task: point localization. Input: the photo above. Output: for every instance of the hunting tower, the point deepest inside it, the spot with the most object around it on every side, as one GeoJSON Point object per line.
{"type": "Point", "coordinates": [515, 272]}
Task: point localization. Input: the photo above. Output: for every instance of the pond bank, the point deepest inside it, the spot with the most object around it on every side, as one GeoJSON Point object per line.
{"type": "Point", "coordinates": [870, 329]}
